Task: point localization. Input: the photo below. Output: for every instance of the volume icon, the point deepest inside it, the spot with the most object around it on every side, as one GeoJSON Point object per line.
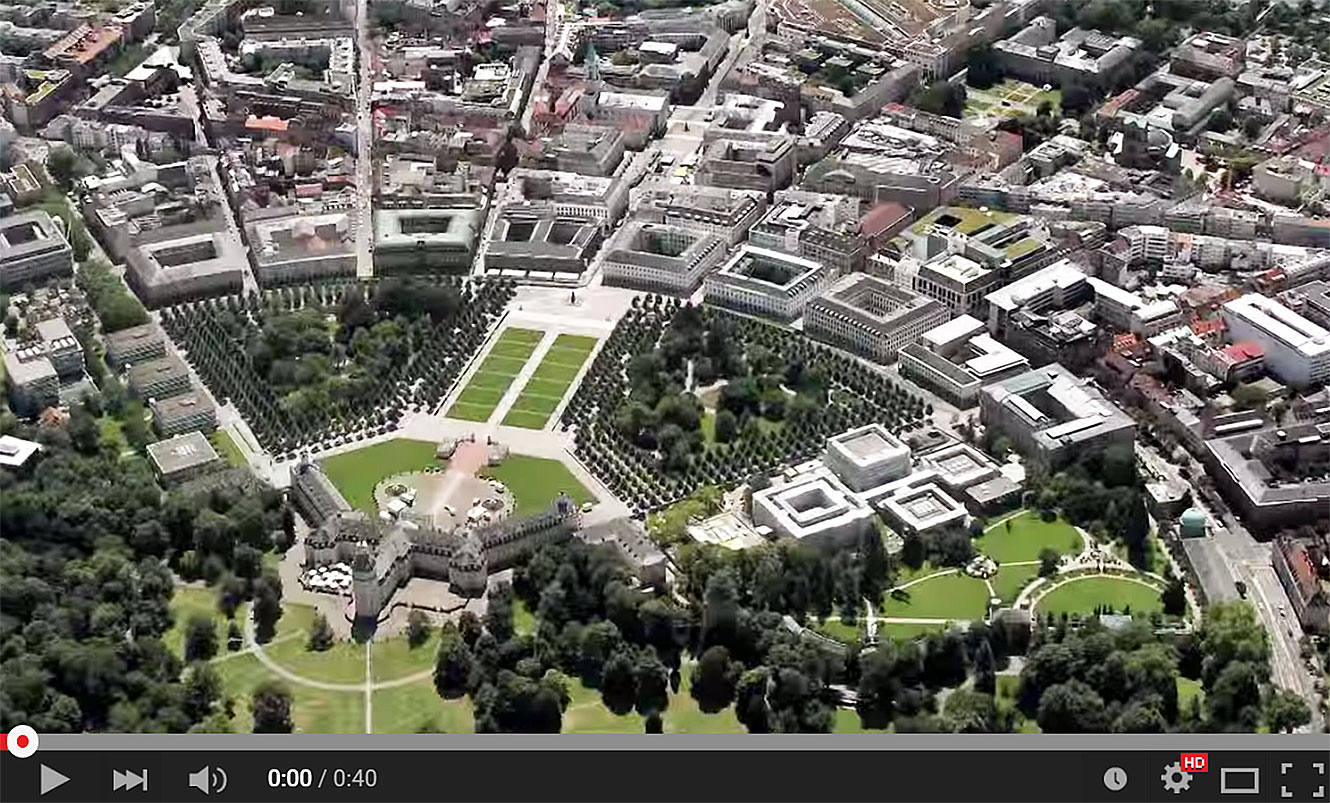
{"type": "Point", "coordinates": [208, 780]}
{"type": "Point", "coordinates": [129, 780]}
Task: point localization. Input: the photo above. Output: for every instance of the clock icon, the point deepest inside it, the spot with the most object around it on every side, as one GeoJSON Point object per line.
{"type": "Point", "coordinates": [1115, 779]}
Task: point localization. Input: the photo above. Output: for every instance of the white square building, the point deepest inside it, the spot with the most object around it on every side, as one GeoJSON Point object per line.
{"type": "Point", "coordinates": [867, 457]}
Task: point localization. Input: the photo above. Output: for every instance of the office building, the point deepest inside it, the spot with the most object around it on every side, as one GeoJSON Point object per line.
{"type": "Point", "coordinates": [764, 282]}
{"type": "Point", "coordinates": [134, 345]}
{"type": "Point", "coordinates": [1089, 58]}
{"type": "Point", "coordinates": [764, 165]}
{"type": "Point", "coordinates": [31, 380]}
{"type": "Point", "coordinates": [1297, 351]}
{"type": "Point", "coordinates": [1308, 594]}
{"type": "Point", "coordinates": [159, 378]}
{"type": "Point", "coordinates": [1058, 286]}
{"type": "Point", "coordinates": [182, 458]}
{"type": "Point", "coordinates": [871, 317]}
{"type": "Point", "coordinates": [728, 214]}
{"type": "Point", "coordinates": [188, 412]}
{"type": "Point", "coordinates": [825, 228]}
{"type": "Point", "coordinates": [1053, 416]}
{"type": "Point", "coordinates": [301, 247]}
{"type": "Point", "coordinates": [426, 239]}
{"type": "Point", "coordinates": [32, 248]}
{"type": "Point", "coordinates": [957, 358]}
{"type": "Point", "coordinates": [183, 268]}
{"type": "Point", "coordinates": [867, 457]}
{"type": "Point", "coordinates": [1274, 476]}
{"type": "Point", "coordinates": [660, 258]}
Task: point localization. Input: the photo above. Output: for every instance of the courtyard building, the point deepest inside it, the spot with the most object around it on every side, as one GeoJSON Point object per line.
{"type": "Point", "coordinates": [32, 248]}
{"type": "Point", "coordinates": [661, 258]}
{"type": "Point", "coordinates": [767, 283]}
{"type": "Point", "coordinates": [871, 317]}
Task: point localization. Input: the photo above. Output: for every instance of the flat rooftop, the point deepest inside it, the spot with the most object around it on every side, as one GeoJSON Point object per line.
{"type": "Point", "coordinates": [181, 452]}
{"type": "Point", "coordinates": [1281, 324]}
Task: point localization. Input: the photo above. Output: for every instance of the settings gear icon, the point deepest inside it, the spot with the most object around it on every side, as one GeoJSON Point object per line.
{"type": "Point", "coordinates": [1175, 780]}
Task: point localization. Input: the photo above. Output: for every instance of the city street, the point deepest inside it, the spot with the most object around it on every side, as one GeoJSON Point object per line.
{"type": "Point", "coordinates": [1248, 561]}
{"type": "Point", "coordinates": [365, 140]}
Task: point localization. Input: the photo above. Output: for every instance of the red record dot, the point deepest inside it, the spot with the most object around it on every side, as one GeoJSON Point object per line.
{"type": "Point", "coordinates": [22, 740]}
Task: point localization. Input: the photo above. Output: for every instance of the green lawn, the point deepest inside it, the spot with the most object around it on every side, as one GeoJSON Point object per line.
{"type": "Point", "coordinates": [549, 382]}
{"type": "Point", "coordinates": [225, 445]}
{"type": "Point", "coordinates": [535, 481]}
{"type": "Point", "coordinates": [344, 662]}
{"type": "Point", "coordinates": [951, 596]}
{"type": "Point", "coordinates": [524, 620]}
{"type": "Point", "coordinates": [1082, 595]}
{"type": "Point", "coordinates": [394, 658]}
{"type": "Point", "coordinates": [487, 386]}
{"type": "Point", "coordinates": [708, 426]}
{"type": "Point", "coordinates": [847, 721]}
{"type": "Point", "coordinates": [188, 602]}
{"type": "Point", "coordinates": [906, 631]}
{"type": "Point", "coordinates": [417, 706]}
{"type": "Point", "coordinates": [313, 710]}
{"type": "Point", "coordinates": [356, 473]}
{"type": "Point", "coordinates": [906, 574]}
{"type": "Point", "coordinates": [834, 628]}
{"type": "Point", "coordinates": [587, 714]}
{"type": "Point", "coordinates": [1028, 534]}
{"type": "Point", "coordinates": [1009, 580]}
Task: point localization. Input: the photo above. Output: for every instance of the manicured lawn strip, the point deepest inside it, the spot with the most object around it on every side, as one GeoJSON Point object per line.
{"type": "Point", "coordinates": [484, 379]}
{"type": "Point", "coordinates": [481, 396]}
{"type": "Point", "coordinates": [551, 388]}
{"type": "Point", "coordinates": [517, 418]}
{"type": "Point", "coordinates": [1084, 595]}
{"type": "Point", "coordinates": [226, 447]}
{"type": "Point", "coordinates": [1028, 535]}
{"type": "Point", "coordinates": [1009, 580]}
{"type": "Point", "coordinates": [470, 412]}
{"type": "Point", "coordinates": [417, 706]}
{"type": "Point", "coordinates": [487, 386]}
{"type": "Point", "coordinates": [550, 381]}
{"type": "Point", "coordinates": [535, 404]}
{"type": "Point", "coordinates": [907, 631]}
{"type": "Point", "coordinates": [535, 481]}
{"type": "Point", "coordinates": [356, 473]}
{"type": "Point", "coordinates": [188, 602]}
{"type": "Point", "coordinates": [952, 596]}
{"type": "Point", "coordinates": [394, 658]}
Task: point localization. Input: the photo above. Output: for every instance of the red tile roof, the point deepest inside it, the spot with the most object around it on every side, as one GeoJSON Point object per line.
{"type": "Point", "coordinates": [1247, 350]}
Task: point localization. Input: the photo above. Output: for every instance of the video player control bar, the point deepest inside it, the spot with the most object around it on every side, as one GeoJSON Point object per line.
{"type": "Point", "coordinates": [665, 775]}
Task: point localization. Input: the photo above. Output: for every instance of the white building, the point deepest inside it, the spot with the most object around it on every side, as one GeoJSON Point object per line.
{"type": "Point", "coordinates": [764, 282]}
{"type": "Point", "coordinates": [1058, 286]}
{"type": "Point", "coordinates": [867, 457]}
{"type": "Point", "coordinates": [956, 281]}
{"type": "Point", "coordinates": [1296, 350]}
{"type": "Point", "coordinates": [958, 358]}
{"type": "Point", "coordinates": [1113, 305]}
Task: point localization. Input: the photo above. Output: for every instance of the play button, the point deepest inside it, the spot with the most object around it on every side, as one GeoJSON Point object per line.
{"type": "Point", "coordinates": [52, 779]}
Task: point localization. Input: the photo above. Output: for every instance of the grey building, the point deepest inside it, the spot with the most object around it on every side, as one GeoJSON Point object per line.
{"type": "Point", "coordinates": [159, 378]}
{"type": "Point", "coordinates": [544, 248]}
{"type": "Point", "coordinates": [134, 345]}
{"type": "Point", "coordinates": [32, 248]}
{"type": "Point", "coordinates": [194, 266]}
{"type": "Point", "coordinates": [871, 317]}
{"type": "Point", "coordinates": [31, 379]}
{"type": "Point", "coordinates": [741, 164]}
{"type": "Point", "coordinates": [182, 458]}
{"type": "Point", "coordinates": [426, 239]}
{"type": "Point", "coordinates": [592, 150]}
{"type": "Point", "coordinates": [661, 258]}
{"type": "Point", "coordinates": [1268, 476]}
{"type": "Point", "coordinates": [1052, 416]}
{"type": "Point", "coordinates": [184, 413]}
